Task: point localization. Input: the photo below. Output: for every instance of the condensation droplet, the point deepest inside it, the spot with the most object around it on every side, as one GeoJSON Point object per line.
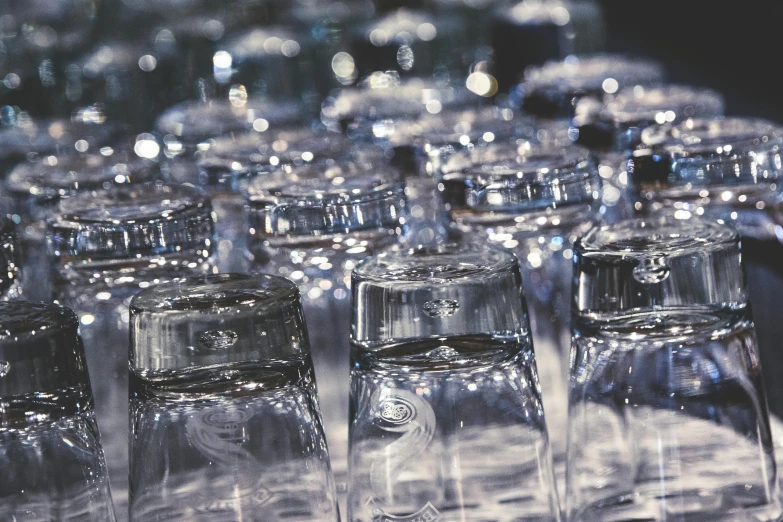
{"type": "Point", "coordinates": [441, 307]}
{"type": "Point", "coordinates": [651, 271]}
{"type": "Point", "coordinates": [5, 367]}
{"type": "Point", "coordinates": [217, 339]}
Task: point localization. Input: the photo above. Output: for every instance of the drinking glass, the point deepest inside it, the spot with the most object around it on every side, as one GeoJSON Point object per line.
{"type": "Point", "coordinates": [534, 199]}
{"type": "Point", "coordinates": [447, 421]}
{"type": "Point", "coordinates": [105, 247]}
{"type": "Point", "coordinates": [553, 89]}
{"type": "Point", "coordinates": [528, 33]}
{"type": "Point", "coordinates": [51, 461]}
{"type": "Point", "coordinates": [34, 187]}
{"type": "Point", "coordinates": [313, 224]}
{"type": "Point", "coordinates": [224, 412]}
{"type": "Point", "coordinates": [227, 164]}
{"type": "Point", "coordinates": [667, 412]}
{"type": "Point", "coordinates": [616, 122]}
{"type": "Point", "coordinates": [728, 170]}
{"type": "Point", "coordinates": [409, 41]}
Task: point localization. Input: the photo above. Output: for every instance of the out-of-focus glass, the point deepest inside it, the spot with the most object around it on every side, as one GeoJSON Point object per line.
{"type": "Point", "coordinates": [225, 418]}
{"type": "Point", "coordinates": [411, 42]}
{"type": "Point", "coordinates": [51, 461]}
{"type": "Point", "coordinates": [227, 164]}
{"type": "Point", "coordinates": [10, 261]}
{"type": "Point", "coordinates": [313, 224]}
{"type": "Point", "coordinates": [39, 38]}
{"type": "Point", "coordinates": [446, 415]}
{"type": "Point", "coordinates": [33, 188]}
{"type": "Point", "coordinates": [667, 411]}
{"type": "Point", "coordinates": [725, 169]}
{"type": "Point", "coordinates": [616, 122]}
{"type": "Point", "coordinates": [105, 247]}
{"type": "Point", "coordinates": [532, 32]}
{"type": "Point", "coordinates": [534, 199]}
{"type": "Point", "coordinates": [552, 90]}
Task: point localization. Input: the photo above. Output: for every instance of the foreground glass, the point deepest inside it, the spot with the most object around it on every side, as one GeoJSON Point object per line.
{"type": "Point", "coordinates": [313, 224]}
{"type": "Point", "coordinates": [106, 246]}
{"type": "Point", "coordinates": [728, 170]}
{"type": "Point", "coordinates": [446, 415]}
{"type": "Point", "coordinates": [224, 412]}
{"type": "Point", "coordinates": [51, 461]}
{"type": "Point", "coordinates": [668, 418]}
{"type": "Point", "coordinates": [534, 199]}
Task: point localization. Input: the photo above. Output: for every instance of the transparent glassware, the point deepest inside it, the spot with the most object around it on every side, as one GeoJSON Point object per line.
{"type": "Point", "coordinates": [531, 32]}
{"type": "Point", "coordinates": [534, 199]}
{"type": "Point", "coordinates": [33, 188]}
{"type": "Point", "coordinates": [411, 42]}
{"type": "Point", "coordinates": [273, 61]}
{"type": "Point", "coordinates": [447, 421]}
{"type": "Point", "coordinates": [616, 122]}
{"type": "Point", "coordinates": [667, 411]}
{"type": "Point", "coordinates": [227, 164]}
{"type": "Point", "coordinates": [369, 109]}
{"type": "Point", "coordinates": [225, 418]}
{"type": "Point", "coordinates": [728, 170]}
{"type": "Point", "coordinates": [106, 246]}
{"type": "Point", "coordinates": [51, 462]}
{"type": "Point", "coordinates": [23, 137]}
{"type": "Point", "coordinates": [313, 224]}
{"type": "Point", "coordinates": [10, 261]}
{"type": "Point", "coordinates": [553, 89]}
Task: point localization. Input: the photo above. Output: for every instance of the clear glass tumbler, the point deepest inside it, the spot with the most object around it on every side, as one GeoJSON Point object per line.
{"type": "Point", "coordinates": [553, 89]}
{"type": "Point", "coordinates": [616, 121]}
{"type": "Point", "coordinates": [51, 461]}
{"type": "Point", "coordinates": [106, 246]}
{"type": "Point", "coordinates": [534, 199]}
{"type": "Point", "coordinates": [726, 169]}
{"type": "Point", "coordinates": [226, 425]}
{"type": "Point", "coordinates": [33, 189]}
{"type": "Point", "coordinates": [313, 224]}
{"type": "Point", "coordinates": [667, 412]}
{"type": "Point", "coordinates": [447, 421]}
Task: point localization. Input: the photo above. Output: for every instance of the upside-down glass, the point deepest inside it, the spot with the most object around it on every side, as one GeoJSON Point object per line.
{"type": "Point", "coordinates": [225, 419]}
{"type": "Point", "coordinates": [531, 32]}
{"type": "Point", "coordinates": [725, 169]}
{"type": "Point", "coordinates": [227, 164]}
{"type": "Point", "coordinates": [553, 89]}
{"type": "Point", "coordinates": [33, 188]}
{"type": "Point", "coordinates": [446, 415]}
{"type": "Point", "coordinates": [616, 121]}
{"type": "Point", "coordinates": [51, 461]}
{"type": "Point", "coordinates": [667, 412]}
{"type": "Point", "coordinates": [313, 224]}
{"type": "Point", "coordinates": [106, 246]}
{"type": "Point", "coordinates": [534, 199]}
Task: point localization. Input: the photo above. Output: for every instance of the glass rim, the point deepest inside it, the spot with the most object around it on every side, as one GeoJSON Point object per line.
{"type": "Point", "coordinates": [22, 321]}
{"type": "Point", "coordinates": [590, 72]}
{"type": "Point", "coordinates": [198, 120]}
{"type": "Point", "coordinates": [683, 140]}
{"type": "Point", "coordinates": [455, 263]}
{"type": "Point", "coordinates": [661, 236]}
{"type": "Point", "coordinates": [217, 294]}
{"type": "Point", "coordinates": [640, 103]}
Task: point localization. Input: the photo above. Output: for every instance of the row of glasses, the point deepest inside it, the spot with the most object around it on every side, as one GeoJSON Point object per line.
{"type": "Point", "coordinates": [447, 419]}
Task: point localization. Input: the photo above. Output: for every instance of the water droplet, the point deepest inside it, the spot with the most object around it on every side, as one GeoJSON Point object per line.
{"type": "Point", "coordinates": [5, 367]}
{"type": "Point", "coordinates": [441, 307]}
{"type": "Point", "coordinates": [651, 270]}
{"type": "Point", "coordinates": [214, 340]}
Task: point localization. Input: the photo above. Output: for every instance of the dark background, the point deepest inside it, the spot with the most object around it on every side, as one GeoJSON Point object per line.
{"type": "Point", "coordinates": [733, 46]}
